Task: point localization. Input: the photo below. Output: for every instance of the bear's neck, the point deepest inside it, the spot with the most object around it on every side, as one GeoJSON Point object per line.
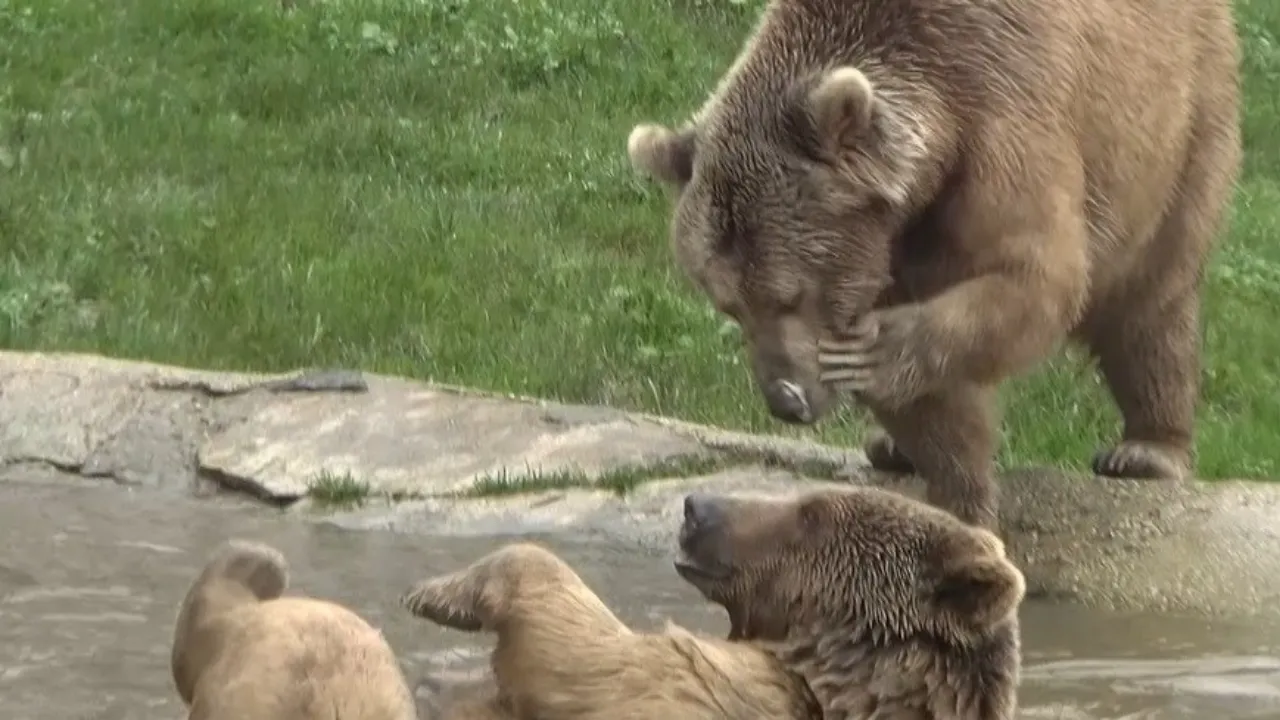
{"type": "Point", "coordinates": [859, 675]}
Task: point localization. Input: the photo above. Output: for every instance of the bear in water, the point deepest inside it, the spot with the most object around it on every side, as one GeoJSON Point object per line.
{"type": "Point", "coordinates": [843, 604]}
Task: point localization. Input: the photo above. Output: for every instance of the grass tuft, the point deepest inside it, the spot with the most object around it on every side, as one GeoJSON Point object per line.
{"type": "Point", "coordinates": [338, 490]}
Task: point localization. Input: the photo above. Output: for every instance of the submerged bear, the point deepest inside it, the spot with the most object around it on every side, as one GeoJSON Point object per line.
{"type": "Point", "coordinates": [844, 605]}
{"type": "Point", "coordinates": [243, 651]}
{"type": "Point", "coordinates": [913, 200]}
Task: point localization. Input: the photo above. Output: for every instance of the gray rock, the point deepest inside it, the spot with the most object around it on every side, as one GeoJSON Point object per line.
{"type": "Point", "coordinates": [1199, 548]}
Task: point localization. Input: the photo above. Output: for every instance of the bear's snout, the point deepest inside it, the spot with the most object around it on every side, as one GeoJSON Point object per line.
{"type": "Point", "coordinates": [702, 554]}
{"type": "Point", "coordinates": [789, 402]}
{"type": "Point", "coordinates": [701, 511]}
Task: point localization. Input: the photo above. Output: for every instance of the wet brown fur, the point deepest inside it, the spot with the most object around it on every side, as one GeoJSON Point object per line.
{"type": "Point", "coordinates": [886, 607]}
{"type": "Point", "coordinates": [242, 651]}
{"type": "Point", "coordinates": [943, 192]}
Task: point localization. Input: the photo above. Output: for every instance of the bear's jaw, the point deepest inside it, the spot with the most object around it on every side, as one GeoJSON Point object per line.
{"type": "Point", "coordinates": [698, 574]}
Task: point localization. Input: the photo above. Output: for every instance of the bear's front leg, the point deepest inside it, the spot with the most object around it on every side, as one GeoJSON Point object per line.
{"type": "Point", "coordinates": [951, 438]}
{"type": "Point", "coordinates": [980, 331]}
{"type": "Point", "coordinates": [927, 370]}
{"type": "Point", "coordinates": [522, 585]}
{"type": "Point", "coordinates": [1015, 224]}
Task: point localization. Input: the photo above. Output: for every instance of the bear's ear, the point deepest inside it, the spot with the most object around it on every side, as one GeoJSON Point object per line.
{"type": "Point", "coordinates": [847, 115]}
{"type": "Point", "coordinates": [842, 104]}
{"type": "Point", "coordinates": [979, 589]}
{"type": "Point", "coordinates": [662, 153]}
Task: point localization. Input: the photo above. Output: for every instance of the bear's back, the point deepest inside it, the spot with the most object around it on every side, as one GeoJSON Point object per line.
{"type": "Point", "coordinates": [297, 658]}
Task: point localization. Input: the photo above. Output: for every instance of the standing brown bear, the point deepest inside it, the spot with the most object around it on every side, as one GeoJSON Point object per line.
{"type": "Point", "coordinates": [912, 200]}
{"type": "Point", "coordinates": [855, 604]}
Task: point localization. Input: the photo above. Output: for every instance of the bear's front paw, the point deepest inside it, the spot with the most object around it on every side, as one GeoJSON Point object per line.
{"type": "Point", "coordinates": [449, 600]}
{"type": "Point", "coordinates": [885, 362]}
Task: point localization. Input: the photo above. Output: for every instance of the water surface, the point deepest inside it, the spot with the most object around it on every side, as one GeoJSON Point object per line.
{"type": "Point", "coordinates": [90, 577]}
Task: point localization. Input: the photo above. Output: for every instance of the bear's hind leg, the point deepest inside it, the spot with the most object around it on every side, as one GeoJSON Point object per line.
{"type": "Point", "coordinates": [1147, 340]}
{"type": "Point", "coordinates": [1150, 362]}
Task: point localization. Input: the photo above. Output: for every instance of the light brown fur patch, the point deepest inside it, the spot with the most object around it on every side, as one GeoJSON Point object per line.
{"type": "Point", "coordinates": [561, 653]}
{"type": "Point", "coordinates": [913, 201]}
{"type": "Point", "coordinates": [243, 651]}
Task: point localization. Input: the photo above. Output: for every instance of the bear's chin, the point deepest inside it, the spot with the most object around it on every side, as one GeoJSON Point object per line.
{"type": "Point", "coordinates": [708, 580]}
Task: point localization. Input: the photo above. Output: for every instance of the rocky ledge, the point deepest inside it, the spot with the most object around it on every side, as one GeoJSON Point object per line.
{"type": "Point", "coordinates": [367, 451]}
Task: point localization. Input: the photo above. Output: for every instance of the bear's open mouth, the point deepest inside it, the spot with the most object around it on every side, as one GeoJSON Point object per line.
{"type": "Point", "coordinates": [692, 570]}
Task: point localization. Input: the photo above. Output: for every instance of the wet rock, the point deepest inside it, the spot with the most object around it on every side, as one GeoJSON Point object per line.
{"type": "Point", "coordinates": [1197, 548]}
{"type": "Point", "coordinates": [155, 446]}
{"type": "Point", "coordinates": [58, 415]}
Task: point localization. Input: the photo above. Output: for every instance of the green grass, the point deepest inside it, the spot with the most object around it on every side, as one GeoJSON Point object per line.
{"type": "Point", "coordinates": [439, 189]}
{"type": "Point", "coordinates": [623, 479]}
{"type": "Point", "coordinates": [338, 490]}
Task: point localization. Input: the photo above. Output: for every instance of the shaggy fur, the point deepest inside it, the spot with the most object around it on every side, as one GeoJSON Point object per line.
{"type": "Point", "coordinates": [241, 651]}
{"type": "Point", "coordinates": [913, 200]}
{"type": "Point", "coordinates": [882, 607]}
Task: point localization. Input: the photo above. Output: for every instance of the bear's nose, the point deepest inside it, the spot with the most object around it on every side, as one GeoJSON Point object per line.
{"type": "Point", "coordinates": [788, 402]}
{"type": "Point", "coordinates": [702, 510]}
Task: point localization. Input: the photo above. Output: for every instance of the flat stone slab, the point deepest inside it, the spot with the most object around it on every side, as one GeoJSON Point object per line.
{"type": "Point", "coordinates": [1196, 548]}
{"type": "Point", "coordinates": [274, 436]}
{"type": "Point", "coordinates": [406, 439]}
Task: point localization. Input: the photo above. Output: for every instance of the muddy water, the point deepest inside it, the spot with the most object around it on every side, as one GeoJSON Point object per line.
{"type": "Point", "coordinates": [90, 576]}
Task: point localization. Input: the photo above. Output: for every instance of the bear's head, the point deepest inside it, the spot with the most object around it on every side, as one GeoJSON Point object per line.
{"type": "Point", "coordinates": [862, 562]}
{"type": "Point", "coordinates": [786, 212]}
